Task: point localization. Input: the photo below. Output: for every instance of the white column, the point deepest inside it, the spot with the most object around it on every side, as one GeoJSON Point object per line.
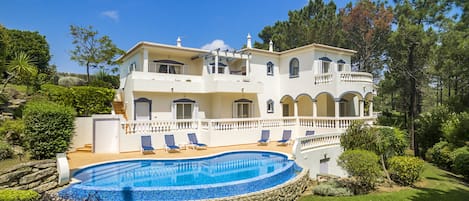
{"type": "Point", "coordinates": [315, 108]}
{"type": "Point", "coordinates": [145, 60]}
{"type": "Point", "coordinates": [216, 64]}
{"type": "Point", "coordinates": [370, 109]}
{"type": "Point", "coordinates": [295, 108]}
{"type": "Point", "coordinates": [248, 43]}
{"type": "Point", "coordinates": [337, 112]}
{"type": "Point", "coordinates": [248, 68]}
{"type": "Point", "coordinates": [362, 107]}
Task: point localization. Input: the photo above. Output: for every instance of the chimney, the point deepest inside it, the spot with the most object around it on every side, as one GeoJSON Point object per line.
{"type": "Point", "coordinates": [178, 42]}
{"type": "Point", "coordinates": [271, 46]}
{"type": "Point", "coordinates": [248, 45]}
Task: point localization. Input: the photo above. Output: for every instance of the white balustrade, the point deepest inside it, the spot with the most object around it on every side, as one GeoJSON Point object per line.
{"type": "Point", "coordinates": [356, 77]}
{"type": "Point", "coordinates": [316, 141]}
{"type": "Point", "coordinates": [165, 126]}
{"type": "Point", "coordinates": [323, 78]}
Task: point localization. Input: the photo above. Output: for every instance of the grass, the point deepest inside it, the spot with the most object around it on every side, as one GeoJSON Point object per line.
{"type": "Point", "coordinates": [436, 184]}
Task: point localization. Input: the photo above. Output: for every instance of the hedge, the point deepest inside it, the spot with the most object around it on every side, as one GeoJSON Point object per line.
{"type": "Point", "coordinates": [86, 100]}
{"type": "Point", "coordinates": [405, 170]}
{"type": "Point", "coordinates": [5, 150]}
{"type": "Point", "coordinates": [363, 165]}
{"type": "Point", "coordinates": [461, 165]}
{"type": "Point", "coordinates": [48, 128]}
{"type": "Point", "coordinates": [18, 195]}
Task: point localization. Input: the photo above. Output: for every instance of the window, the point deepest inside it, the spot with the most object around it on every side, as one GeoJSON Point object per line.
{"type": "Point", "coordinates": [325, 64]}
{"type": "Point", "coordinates": [183, 108]}
{"type": "Point", "coordinates": [221, 68]}
{"type": "Point", "coordinates": [242, 108]}
{"type": "Point", "coordinates": [142, 109]}
{"type": "Point", "coordinates": [340, 65]}
{"type": "Point", "coordinates": [270, 106]}
{"type": "Point", "coordinates": [132, 67]}
{"type": "Point", "coordinates": [270, 68]}
{"type": "Point", "coordinates": [294, 68]}
{"type": "Point", "coordinates": [325, 67]}
{"type": "Point", "coordinates": [166, 66]}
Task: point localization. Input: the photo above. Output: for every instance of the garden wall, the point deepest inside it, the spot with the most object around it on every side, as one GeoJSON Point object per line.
{"type": "Point", "coordinates": [39, 176]}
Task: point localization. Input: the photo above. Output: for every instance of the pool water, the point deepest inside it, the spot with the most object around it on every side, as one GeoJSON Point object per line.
{"type": "Point", "coordinates": [223, 175]}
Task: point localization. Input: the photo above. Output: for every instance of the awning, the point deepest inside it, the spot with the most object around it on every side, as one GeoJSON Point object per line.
{"type": "Point", "coordinates": [167, 61]}
{"type": "Point", "coordinates": [219, 64]}
{"type": "Point", "coordinates": [325, 59]}
{"type": "Point", "coordinates": [243, 100]}
{"type": "Point", "coordinates": [341, 61]}
{"type": "Point", "coordinates": [184, 100]}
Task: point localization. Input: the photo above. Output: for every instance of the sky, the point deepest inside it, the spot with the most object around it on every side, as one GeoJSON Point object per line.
{"type": "Point", "coordinates": [199, 23]}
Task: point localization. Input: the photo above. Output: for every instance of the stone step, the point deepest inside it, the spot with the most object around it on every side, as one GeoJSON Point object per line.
{"type": "Point", "coordinates": [88, 145]}
{"type": "Point", "coordinates": [84, 149]}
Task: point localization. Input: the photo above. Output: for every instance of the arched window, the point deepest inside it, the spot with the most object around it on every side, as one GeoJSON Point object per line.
{"type": "Point", "coordinates": [270, 106]}
{"type": "Point", "coordinates": [270, 68]}
{"type": "Point", "coordinates": [294, 68]}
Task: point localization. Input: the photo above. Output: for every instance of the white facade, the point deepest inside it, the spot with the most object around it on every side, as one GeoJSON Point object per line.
{"type": "Point", "coordinates": [164, 82]}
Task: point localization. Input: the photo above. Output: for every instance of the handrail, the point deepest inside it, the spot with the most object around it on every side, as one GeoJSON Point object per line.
{"type": "Point", "coordinates": [315, 141]}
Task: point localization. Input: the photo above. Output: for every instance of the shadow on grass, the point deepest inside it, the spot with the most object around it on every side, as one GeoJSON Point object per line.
{"type": "Point", "coordinates": [428, 194]}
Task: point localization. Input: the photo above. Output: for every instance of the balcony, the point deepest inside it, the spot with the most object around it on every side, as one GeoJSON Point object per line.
{"type": "Point", "coordinates": [182, 83]}
{"type": "Point", "coordinates": [343, 77]}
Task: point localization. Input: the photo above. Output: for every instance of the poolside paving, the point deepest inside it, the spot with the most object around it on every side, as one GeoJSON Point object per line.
{"type": "Point", "coordinates": [79, 159]}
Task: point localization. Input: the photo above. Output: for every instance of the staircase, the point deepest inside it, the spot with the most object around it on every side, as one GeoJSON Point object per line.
{"type": "Point", "coordinates": [86, 148]}
{"type": "Point", "coordinates": [119, 108]}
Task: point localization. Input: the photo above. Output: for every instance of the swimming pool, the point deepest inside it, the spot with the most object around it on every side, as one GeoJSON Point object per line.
{"type": "Point", "coordinates": [223, 175]}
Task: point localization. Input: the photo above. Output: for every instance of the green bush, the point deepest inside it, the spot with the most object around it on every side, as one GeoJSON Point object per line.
{"type": "Point", "coordinates": [429, 129]}
{"type": "Point", "coordinates": [331, 188]}
{"type": "Point", "coordinates": [456, 152]}
{"type": "Point", "coordinates": [456, 129]}
{"type": "Point", "coordinates": [48, 128]}
{"type": "Point", "coordinates": [5, 150]}
{"type": "Point", "coordinates": [363, 166]}
{"type": "Point", "coordinates": [92, 100]}
{"type": "Point", "coordinates": [461, 164]}
{"type": "Point", "coordinates": [18, 195]}
{"type": "Point", "coordinates": [85, 99]}
{"type": "Point", "coordinates": [405, 170]}
{"type": "Point", "coordinates": [13, 132]}
{"type": "Point", "coordinates": [440, 155]}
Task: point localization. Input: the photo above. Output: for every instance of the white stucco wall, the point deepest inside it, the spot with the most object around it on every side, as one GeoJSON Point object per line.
{"type": "Point", "coordinates": [311, 159]}
{"type": "Point", "coordinates": [83, 132]}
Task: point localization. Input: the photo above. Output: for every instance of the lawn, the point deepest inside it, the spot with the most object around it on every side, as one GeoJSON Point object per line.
{"type": "Point", "coordinates": [436, 184]}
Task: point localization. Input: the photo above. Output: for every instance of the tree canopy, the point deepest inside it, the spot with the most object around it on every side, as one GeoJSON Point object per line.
{"type": "Point", "coordinates": [33, 44]}
{"type": "Point", "coordinates": [92, 51]}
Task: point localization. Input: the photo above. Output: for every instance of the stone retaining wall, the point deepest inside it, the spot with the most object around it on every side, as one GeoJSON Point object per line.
{"type": "Point", "coordinates": [39, 176]}
{"type": "Point", "coordinates": [291, 190]}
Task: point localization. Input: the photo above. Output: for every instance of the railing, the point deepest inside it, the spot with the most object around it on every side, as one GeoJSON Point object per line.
{"type": "Point", "coordinates": [323, 78]}
{"type": "Point", "coordinates": [166, 77]}
{"type": "Point", "coordinates": [356, 77]}
{"type": "Point", "coordinates": [163, 126]}
{"type": "Point", "coordinates": [315, 141]}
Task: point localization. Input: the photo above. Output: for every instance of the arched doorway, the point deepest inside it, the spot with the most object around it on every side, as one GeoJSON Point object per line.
{"type": "Point", "coordinates": [349, 105]}
{"type": "Point", "coordinates": [325, 105]}
{"type": "Point", "coordinates": [305, 105]}
{"type": "Point", "coordinates": [287, 106]}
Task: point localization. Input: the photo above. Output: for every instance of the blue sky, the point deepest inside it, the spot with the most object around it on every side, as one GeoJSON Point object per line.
{"type": "Point", "coordinates": [197, 22]}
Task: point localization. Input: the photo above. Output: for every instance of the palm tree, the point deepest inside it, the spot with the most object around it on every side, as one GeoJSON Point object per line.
{"type": "Point", "coordinates": [21, 67]}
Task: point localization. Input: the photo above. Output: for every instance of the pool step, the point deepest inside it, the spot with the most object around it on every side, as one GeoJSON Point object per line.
{"type": "Point", "coordinates": [86, 148]}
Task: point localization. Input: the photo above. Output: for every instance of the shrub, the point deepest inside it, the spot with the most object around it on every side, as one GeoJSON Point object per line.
{"type": "Point", "coordinates": [405, 170]}
{"type": "Point", "coordinates": [18, 195]}
{"type": "Point", "coordinates": [456, 129]}
{"type": "Point", "coordinates": [456, 152]}
{"type": "Point", "coordinates": [85, 99]}
{"type": "Point", "coordinates": [5, 151]}
{"type": "Point", "coordinates": [363, 165]}
{"type": "Point", "coordinates": [92, 100]}
{"type": "Point", "coordinates": [331, 188]}
{"type": "Point", "coordinates": [429, 127]}
{"type": "Point", "coordinates": [439, 155]}
{"type": "Point", "coordinates": [48, 128]}
{"type": "Point", "coordinates": [461, 164]}
{"type": "Point", "coordinates": [13, 132]}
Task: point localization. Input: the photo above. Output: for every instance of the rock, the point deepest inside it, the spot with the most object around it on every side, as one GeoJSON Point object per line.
{"type": "Point", "coordinates": [24, 187]}
{"type": "Point", "coordinates": [51, 178]}
{"type": "Point", "coordinates": [12, 176]}
{"type": "Point", "coordinates": [45, 165]}
{"type": "Point", "coordinates": [34, 184]}
{"type": "Point", "coordinates": [45, 187]}
{"type": "Point", "coordinates": [28, 164]}
{"type": "Point", "coordinates": [17, 101]}
{"type": "Point", "coordinates": [37, 175]}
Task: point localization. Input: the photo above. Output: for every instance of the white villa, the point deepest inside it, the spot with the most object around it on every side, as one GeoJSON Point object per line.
{"type": "Point", "coordinates": [228, 97]}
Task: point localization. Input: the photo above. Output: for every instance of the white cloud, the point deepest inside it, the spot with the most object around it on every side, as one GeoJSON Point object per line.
{"type": "Point", "coordinates": [112, 14]}
{"type": "Point", "coordinates": [216, 44]}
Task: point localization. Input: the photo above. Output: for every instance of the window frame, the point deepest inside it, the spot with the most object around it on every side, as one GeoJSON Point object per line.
{"type": "Point", "coordinates": [270, 68]}
{"type": "Point", "coordinates": [240, 103]}
{"type": "Point", "coordinates": [294, 71]}
{"type": "Point", "coordinates": [270, 106]}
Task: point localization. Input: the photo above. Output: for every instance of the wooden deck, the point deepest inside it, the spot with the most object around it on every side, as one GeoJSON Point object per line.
{"type": "Point", "coordinates": [80, 159]}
